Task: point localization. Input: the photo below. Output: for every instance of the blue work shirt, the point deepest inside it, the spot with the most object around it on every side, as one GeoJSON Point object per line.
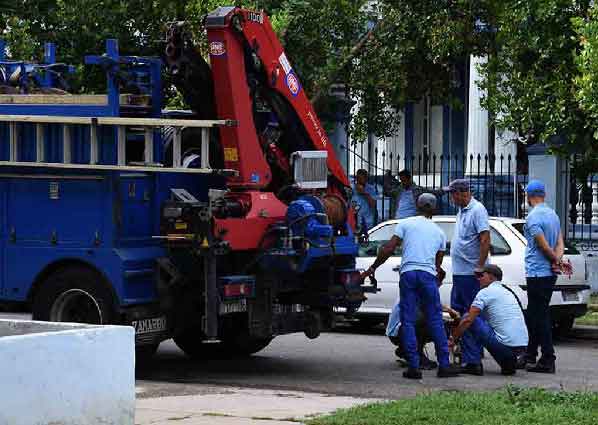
{"type": "Point", "coordinates": [502, 312]}
{"type": "Point", "coordinates": [465, 246]}
{"type": "Point", "coordinates": [406, 207]}
{"type": "Point", "coordinates": [542, 220]}
{"type": "Point", "coordinates": [366, 214]}
{"type": "Point", "coordinates": [422, 239]}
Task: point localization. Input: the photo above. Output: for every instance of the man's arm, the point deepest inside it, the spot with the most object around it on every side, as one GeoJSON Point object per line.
{"type": "Point", "coordinates": [484, 247]}
{"type": "Point", "coordinates": [560, 246]}
{"type": "Point", "coordinates": [384, 254]}
{"type": "Point", "coordinates": [466, 322]}
{"type": "Point", "coordinates": [551, 254]}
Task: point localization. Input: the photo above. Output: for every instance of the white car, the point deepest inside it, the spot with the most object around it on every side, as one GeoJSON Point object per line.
{"type": "Point", "coordinates": [569, 300]}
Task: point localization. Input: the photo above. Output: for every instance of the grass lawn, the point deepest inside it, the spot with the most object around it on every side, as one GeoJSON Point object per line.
{"type": "Point", "coordinates": [592, 317]}
{"type": "Point", "coordinates": [511, 406]}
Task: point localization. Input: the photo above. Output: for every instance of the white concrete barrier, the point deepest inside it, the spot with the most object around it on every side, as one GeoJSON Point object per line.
{"type": "Point", "coordinates": [66, 374]}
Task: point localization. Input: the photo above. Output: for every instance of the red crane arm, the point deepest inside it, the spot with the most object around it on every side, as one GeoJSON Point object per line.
{"type": "Point", "coordinates": [238, 37]}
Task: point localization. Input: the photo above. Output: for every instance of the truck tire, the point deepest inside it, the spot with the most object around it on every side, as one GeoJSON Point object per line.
{"type": "Point", "coordinates": [193, 345]}
{"type": "Point", "coordinates": [74, 294]}
{"type": "Point", "coordinates": [144, 354]}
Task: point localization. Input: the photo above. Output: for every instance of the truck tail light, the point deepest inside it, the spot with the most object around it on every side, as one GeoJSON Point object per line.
{"type": "Point", "coordinates": [234, 287]}
{"type": "Point", "coordinates": [238, 290]}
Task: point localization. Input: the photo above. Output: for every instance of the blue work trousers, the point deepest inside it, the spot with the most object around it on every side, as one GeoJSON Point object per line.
{"type": "Point", "coordinates": [484, 335]}
{"type": "Point", "coordinates": [465, 289]}
{"type": "Point", "coordinates": [539, 322]}
{"type": "Point", "coordinates": [421, 287]}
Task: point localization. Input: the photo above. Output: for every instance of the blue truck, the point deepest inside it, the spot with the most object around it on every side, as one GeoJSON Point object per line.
{"type": "Point", "coordinates": [105, 218]}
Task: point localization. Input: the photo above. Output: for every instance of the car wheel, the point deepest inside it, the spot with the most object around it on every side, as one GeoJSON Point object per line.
{"type": "Point", "coordinates": [562, 327]}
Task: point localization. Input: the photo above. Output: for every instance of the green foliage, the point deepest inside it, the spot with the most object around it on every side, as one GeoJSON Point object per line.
{"type": "Point", "coordinates": [541, 75]}
{"type": "Point", "coordinates": [511, 406]}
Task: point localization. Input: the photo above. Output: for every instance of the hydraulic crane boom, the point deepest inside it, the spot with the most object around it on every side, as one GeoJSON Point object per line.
{"type": "Point", "coordinates": [252, 73]}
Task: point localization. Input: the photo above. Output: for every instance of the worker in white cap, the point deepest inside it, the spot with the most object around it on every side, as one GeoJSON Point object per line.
{"type": "Point", "coordinates": [424, 244]}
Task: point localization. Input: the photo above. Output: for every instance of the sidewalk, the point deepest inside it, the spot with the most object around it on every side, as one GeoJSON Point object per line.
{"type": "Point", "coordinates": [240, 406]}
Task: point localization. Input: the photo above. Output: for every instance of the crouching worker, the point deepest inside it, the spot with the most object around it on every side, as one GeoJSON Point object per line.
{"type": "Point", "coordinates": [496, 321]}
{"type": "Point", "coordinates": [423, 249]}
{"type": "Point", "coordinates": [393, 332]}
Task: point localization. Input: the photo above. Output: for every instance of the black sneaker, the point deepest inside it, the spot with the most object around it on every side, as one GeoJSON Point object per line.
{"type": "Point", "coordinates": [412, 373]}
{"type": "Point", "coordinates": [529, 361]}
{"type": "Point", "coordinates": [542, 367]}
{"type": "Point", "coordinates": [448, 372]}
{"type": "Point", "coordinates": [426, 364]}
{"type": "Point", "coordinates": [508, 371]}
{"type": "Point", "coordinates": [521, 362]}
{"type": "Point", "coordinates": [473, 369]}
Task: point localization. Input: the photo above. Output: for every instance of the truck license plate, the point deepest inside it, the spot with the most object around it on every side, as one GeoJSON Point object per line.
{"type": "Point", "coordinates": [146, 326]}
{"type": "Point", "coordinates": [570, 296]}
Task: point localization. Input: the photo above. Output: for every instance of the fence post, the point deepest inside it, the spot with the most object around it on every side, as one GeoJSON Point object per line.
{"type": "Point", "coordinates": [550, 169]}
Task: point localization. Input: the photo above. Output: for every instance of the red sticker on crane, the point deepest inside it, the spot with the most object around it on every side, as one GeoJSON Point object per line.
{"type": "Point", "coordinates": [293, 83]}
{"type": "Point", "coordinates": [217, 48]}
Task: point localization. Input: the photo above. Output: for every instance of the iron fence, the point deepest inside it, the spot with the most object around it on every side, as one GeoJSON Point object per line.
{"type": "Point", "coordinates": [497, 181]}
{"type": "Point", "coordinates": [582, 216]}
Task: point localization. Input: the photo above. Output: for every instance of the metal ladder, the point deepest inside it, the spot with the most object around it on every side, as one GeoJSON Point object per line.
{"type": "Point", "coordinates": [121, 124]}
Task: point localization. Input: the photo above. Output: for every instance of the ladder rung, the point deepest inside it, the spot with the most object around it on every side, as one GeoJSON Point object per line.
{"type": "Point", "coordinates": [67, 156]}
{"type": "Point", "coordinates": [176, 148]}
{"type": "Point", "coordinates": [14, 141]}
{"type": "Point", "coordinates": [94, 153]}
{"type": "Point", "coordinates": [205, 148]}
{"type": "Point", "coordinates": [121, 158]}
{"type": "Point", "coordinates": [149, 145]}
{"type": "Point", "coordinates": [40, 148]}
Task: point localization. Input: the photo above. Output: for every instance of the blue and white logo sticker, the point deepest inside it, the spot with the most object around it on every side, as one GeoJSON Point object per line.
{"type": "Point", "coordinates": [293, 83]}
{"type": "Point", "coordinates": [255, 178]}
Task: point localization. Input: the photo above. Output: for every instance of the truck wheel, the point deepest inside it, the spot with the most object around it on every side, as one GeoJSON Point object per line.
{"type": "Point", "coordinates": [74, 294]}
{"type": "Point", "coordinates": [245, 345]}
{"type": "Point", "coordinates": [144, 354]}
{"type": "Point", "coordinates": [192, 343]}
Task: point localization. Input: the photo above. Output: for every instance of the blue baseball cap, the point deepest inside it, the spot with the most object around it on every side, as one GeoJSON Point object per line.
{"type": "Point", "coordinates": [535, 188]}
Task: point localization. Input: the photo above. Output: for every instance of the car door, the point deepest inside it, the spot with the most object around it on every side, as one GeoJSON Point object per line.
{"type": "Point", "coordinates": [388, 279]}
{"type": "Point", "coordinates": [447, 225]}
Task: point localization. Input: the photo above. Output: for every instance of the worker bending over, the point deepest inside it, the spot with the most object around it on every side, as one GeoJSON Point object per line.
{"type": "Point", "coordinates": [423, 249]}
{"type": "Point", "coordinates": [495, 320]}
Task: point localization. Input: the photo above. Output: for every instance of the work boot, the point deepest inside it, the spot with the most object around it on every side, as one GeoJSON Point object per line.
{"type": "Point", "coordinates": [473, 369]}
{"type": "Point", "coordinates": [426, 364]}
{"type": "Point", "coordinates": [543, 366]}
{"type": "Point", "coordinates": [448, 372]}
{"type": "Point", "coordinates": [529, 361]}
{"type": "Point", "coordinates": [412, 373]}
{"type": "Point", "coordinates": [521, 362]}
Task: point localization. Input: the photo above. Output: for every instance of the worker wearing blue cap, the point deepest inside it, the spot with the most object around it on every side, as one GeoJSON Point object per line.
{"type": "Point", "coordinates": [469, 253]}
{"type": "Point", "coordinates": [423, 249]}
{"type": "Point", "coordinates": [545, 248]}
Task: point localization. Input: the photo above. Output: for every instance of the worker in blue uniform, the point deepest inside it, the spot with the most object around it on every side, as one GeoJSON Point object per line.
{"type": "Point", "coordinates": [543, 254]}
{"type": "Point", "coordinates": [495, 319]}
{"type": "Point", "coordinates": [424, 244]}
{"type": "Point", "coordinates": [469, 253]}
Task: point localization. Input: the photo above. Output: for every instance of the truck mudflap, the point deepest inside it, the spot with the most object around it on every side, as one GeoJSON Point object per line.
{"type": "Point", "coordinates": [150, 324]}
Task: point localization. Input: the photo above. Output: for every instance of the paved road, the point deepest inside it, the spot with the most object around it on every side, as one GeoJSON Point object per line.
{"type": "Point", "coordinates": [352, 364]}
{"type": "Point", "coordinates": [347, 363]}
